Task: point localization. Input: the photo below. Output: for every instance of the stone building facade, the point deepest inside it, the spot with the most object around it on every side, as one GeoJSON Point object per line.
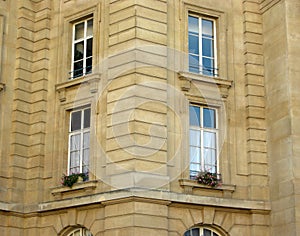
{"type": "Point", "coordinates": [141, 96]}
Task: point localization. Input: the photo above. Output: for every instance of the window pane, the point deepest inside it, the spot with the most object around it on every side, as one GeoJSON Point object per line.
{"type": "Point", "coordinates": [187, 233]}
{"type": "Point", "coordinates": [87, 118]}
{"type": "Point", "coordinates": [78, 69]}
{"type": "Point", "coordinates": [210, 160]}
{"type": "Point", "coordinates": [194, 64]}
{"type": "Point", "coordinates": [193, 24]}
{"type": "Point", "coordinates": [88, 64]}
{"type": "Point", "coordinates": [209, 118]}
{"type": "Point", "coordinates": [74, 160]}
{"type": "Point", "coordinates": [78, 51]}
{"type": "Point", "coordinates": [75, 142]}
{"type": "Point", "coordinates": [195, 232]}
{"type": "Point", "coordinates": [89, 48]}
{"type": "Point", "coordinates": [89, 27]}
{"type": "Point", "coordinates": [86, 140]}
{"type": "Point", "coordinates": [215, 234]}
{"type": "Point", "coordinates": [207, 47]}
{"type": "Point", "coordinates": [209, 139]}
{"type": "Point", "coordinates": [193, 44]}
{"type": "Point", "coordinates": [79, 31]}
{"type": "Point", "coordinates": [195, 155]}
{"type": "Point", "coordinates": [195, 138]}
{"type": "Point", "coordinates": [208, 66]}
{"type": "Point", "coordinates": [85, 159]}
{"type": "Point", "coordinates": [76, 120]}
{"type": "Point", "coordinates": [194, 116]}
{"type": "Point", "coordinates": [207, 28]}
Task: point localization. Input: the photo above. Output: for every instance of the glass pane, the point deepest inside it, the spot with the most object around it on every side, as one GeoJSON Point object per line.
{"type": "Point", "coordinates": [88, 68]}
{"type": "Point", "coordinates": [210, 160]}
{"type": "Point", "coordinates": [208, 66]}
{"type": "Point", "coordinates": [209, 118]}
{"type": "Point", "coordinates": [194, 116]}
{"type": "Point", "coordinates": [76, 120]}
{"type": "Point", "coordinates": [87, 118]}
{"type": "Point", "coordinates": [89, 27]}
{"type": "Point", "coordinates": [195, 232]}
{"type": "Point", "coordinates": [79, 31]}
{"type": "Point", "coordinates": [85, 159]}
{"type": "Point", "coordinates": [193, 24]}
{"type": "Point", "coordinates": [194, 63]}
{"type": "Point", "coordinates": [74, 160]}
{"type": "Point", "coordinates": [86, 140]}
{"type": "Point", "coordinates": [78, 51]}
{"type": "Point", "coordinates": [209, 139]}
{"type": "Point", "coordinates": [195, 154]}
{"type": "Point", "coordinates": [207, 28]}
{"type": "Point", "coordinates": [215, 234]}
{"type": "Point", "coordinates": [78, 69]}
{"type": "Point", "coordinates": [89, 48]}
{"type": "Point", "coordinates": [207, 47]}
{"type": "Point", "coordinates": [75, 142]}
{"type": "Point", "coordinates": [187, 233]}
{"type": "Point", "coordinates": [193, 44]}
{"type": "Point", "coordinates": [195, 138]}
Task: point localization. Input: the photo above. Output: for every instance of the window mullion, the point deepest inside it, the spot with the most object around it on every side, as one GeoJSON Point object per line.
{"type": "Point", "coordinates": [84, 46]}
{"type": "Point", "coordinates": [200, 45]}
{"type": "Point", "coordinates": [201, 140]}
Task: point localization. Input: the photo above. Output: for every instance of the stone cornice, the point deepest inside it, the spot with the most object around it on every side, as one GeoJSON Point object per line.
{"type": "Point", "coordinates": [159, 196]}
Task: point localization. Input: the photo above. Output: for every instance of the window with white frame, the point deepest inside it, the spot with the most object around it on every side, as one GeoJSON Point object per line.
{"type": "Point", "coordinates": [202, 45]}
{"type": "Point", "coordinates": [82, 48]}
{"type": "Point", "coordinates": [201, 231]}
{"type": "Point", "coordinates": [79, 141]}
{"type": "Point", "coordinates": [203, 135]}
{"type": "Point", "coordinates": [80, 232]}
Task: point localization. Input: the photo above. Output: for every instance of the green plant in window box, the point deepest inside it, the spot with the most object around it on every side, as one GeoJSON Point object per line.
{"type": "Point", "coordinates": [69, 180]}
{"type": "Point", "coordinates": [209, 179]}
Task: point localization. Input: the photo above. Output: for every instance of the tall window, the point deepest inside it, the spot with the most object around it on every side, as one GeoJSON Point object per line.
{"type": "Point", "coordinates": [79, 141]}
{"type": "Point", "coordinates": [80, 232]}
{"type": "Point", "coordinates": [202, 46]}
{"type": "Point", "coordinates": [203, 140]}
{"type": "Point", "coordinates": [82, 52]}
{"type": "Point", "coordinates": [201, 232]}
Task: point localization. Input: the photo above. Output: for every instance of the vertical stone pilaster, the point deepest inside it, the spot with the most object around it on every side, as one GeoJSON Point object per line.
{"type": "Point", "coordinates": [255, 101]}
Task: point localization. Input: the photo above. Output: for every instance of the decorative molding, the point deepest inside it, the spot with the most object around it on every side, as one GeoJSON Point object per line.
{"type": "Point", "coordinates": [188, 186]}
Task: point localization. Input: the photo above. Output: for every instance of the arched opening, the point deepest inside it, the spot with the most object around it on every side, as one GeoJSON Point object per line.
{"type": "Point", "coordinates": [201, 231]}
{"type": "Point", "coordinates": [78, 232]}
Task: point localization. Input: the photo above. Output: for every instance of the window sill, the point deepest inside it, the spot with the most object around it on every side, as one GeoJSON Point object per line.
{"type": "Point", "coordinates": [188, 186]}
{"type": "Point", "coordinates": [91, 80]}
{"type": "Point", "coordinates": [82, 187]}
{"type": "Point", "coordinates": [187, 78]}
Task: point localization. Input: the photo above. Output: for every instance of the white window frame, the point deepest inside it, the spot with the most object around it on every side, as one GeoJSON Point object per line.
{"type": "Point", "coordinates": [81, 231]}
{"type": "Point", "coordinates": [215, 55]}
{"type": "Point", "coordinates": [203, 129]}
{"type": "Point", "coordinates": [84, 39]}
{"type": "Point", "coordinates": [201, 231]}
{"type": "Point", "coordinates": [81, 132]}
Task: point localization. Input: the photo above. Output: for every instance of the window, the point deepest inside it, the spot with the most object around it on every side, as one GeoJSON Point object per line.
{"type": "Point", "coordinates": [80, 232]}
{"type": "Point", "coordinates": [202, 45]}
{"type": "Point", "coordinates": [82, 48]}
{"type": "Point", "coordinates": [79, 141]}
{"type": "Point", "coordinates": [203, 140]}
{"type": "Point", "coordinates": [201, 232]}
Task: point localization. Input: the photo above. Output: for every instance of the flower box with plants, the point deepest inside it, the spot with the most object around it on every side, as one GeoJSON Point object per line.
{"type": "Point", "coordinates": [209, 179]}
{"type": "Point", "coordinates": [70, 180]}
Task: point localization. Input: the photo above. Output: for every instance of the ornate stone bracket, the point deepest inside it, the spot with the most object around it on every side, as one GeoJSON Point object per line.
{"type": "Point", "coordinates": [91, 80]}
{"type": "Point", "coordinates": [187, 78]}
{"type": "Point", "coordinates": [2, 86]}
{"type": "Point", "coordinates": [188, 186]}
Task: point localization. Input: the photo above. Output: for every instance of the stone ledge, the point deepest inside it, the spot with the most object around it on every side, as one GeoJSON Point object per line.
{"type": "Point", "coordinates": [188, 186]}
{"type": "Point", "coordinates": [187, 78]}
{"type": "Point", "coordinates": [58, 192]}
